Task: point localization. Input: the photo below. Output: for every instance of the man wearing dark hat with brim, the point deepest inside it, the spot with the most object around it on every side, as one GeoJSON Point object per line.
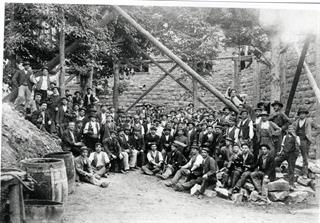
{"type": "Point", "coordinates": [191, 170]}
{"type": "Point", "coordinates": [91, 132]}
{"type": "Point", "coordinates": [246, 132]}
{"type": "Point", "coordinates": [42, 82]}
{"type": "Point", "coordinates": [41, 118]}
{"type": "Point", "coordinates": [192, 137]}
{"type": "Point", "coordinates": [70, 142]}
{"type": "Point", "coordinates": [263, 168]}
{"type": "Point", "coordinates": [84, 169]}
{"type": "Point", "coordinates": [165, 141]}
{"type": "Point", "coordinates": [282, 120]}
{"type": "Point", "coordinates": [63, 115]}
{"type": "Point", "coordinates": [266, 130]}
{"type": "Point", "coordinates": [173, 161]}
{"type": "Point", "coordinates": [77, 97]}
{"type": "Point", "coordinates": [303, 126]}
{"type": "Point", "coordinates": [152, 138]}
{"type": "Point", "coordinates": [211, 140]}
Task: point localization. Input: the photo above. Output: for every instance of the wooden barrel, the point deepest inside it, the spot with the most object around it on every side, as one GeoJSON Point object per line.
{"type": "Point", "coordinates": [51, 177]}
{"type": "Point", "coordinates": [69, 162]}
{"type": "Point", "coordinates": [43, 211]}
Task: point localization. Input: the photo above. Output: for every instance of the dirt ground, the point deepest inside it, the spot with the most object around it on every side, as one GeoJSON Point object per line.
{"type": "Point", "coordinates": [134, 197]}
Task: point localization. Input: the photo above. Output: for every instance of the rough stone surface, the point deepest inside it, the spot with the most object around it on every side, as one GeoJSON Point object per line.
{"type": "Point", "coordinates": [21, 139]}
{"type": "Point", "coordinates": [278, 196]}
{"type": "Point", "coordinates": [297, 196]}
{"type": "Point", "coordinates": [254, 196]}
{"type": "Point", "coordinates": [210, 193]}
{"type": "Point", "coordinates": [222, 192]}
{"type": "Point", "coordinates": [303, 181]}
{"type": "Point", "coordinates": [248, 186]}
{"type": "Point", "coordinates": [237, 198]}
{"type": "Point", "coordinates": [278, 185]}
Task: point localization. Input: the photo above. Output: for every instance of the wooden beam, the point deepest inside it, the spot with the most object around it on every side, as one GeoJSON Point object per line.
{"type": "Point", "coordinates": [151, 87]}
{"type": "Point", "coordinates": [176, 59]}
{"type": "Point", "coordinates": [297, 74]}
{"type": "Point", "coordinates": [70, 78]}
{"type": "Point", "coordinates": [116, 86]}
{"type": "Point", "coordinates": [195, 92]}
{"type": "Point", "coordinates": [311, 79]}
{"type": "Point", "coordinates": [174, 78]}
{"type": "Point", "coordinates": [236, 78]}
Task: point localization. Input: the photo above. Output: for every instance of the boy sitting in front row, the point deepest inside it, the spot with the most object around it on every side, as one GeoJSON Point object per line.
{"type": "Point", "coordinates": [100, 161]}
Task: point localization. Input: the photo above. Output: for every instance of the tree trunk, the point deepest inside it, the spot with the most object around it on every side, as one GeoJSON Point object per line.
{"type": "Point", "coordinates": [116, 69]}
{"type": "Point", "coordinates": [236, 80]}
{"type": "Point", "coordinates": [317, 78]}
{"type": "Point", "coordinates": [62, 57]}
{"type": "Point", "coordinates": [275, 67]}
{"type": "Point", "coordinates": [256, 80]}
{"type": "Point", "coordinates": [90, 78]}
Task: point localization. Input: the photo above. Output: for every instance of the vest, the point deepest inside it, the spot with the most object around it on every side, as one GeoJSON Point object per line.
{"type": "Point", "coordinates": [91, 99]}
{"type": "Point", "coordinates": [95, 159]}
{"type": "Point", "coordinates": [156, 158]}
{"type": "Point", "coordinates": [301, 131]}
{"type": "Point", "coordinates": [244, 129]}
{"type": "Point", "coordinates": [232, 133]}
{"type": "Point", "coordinates": [289, 144]}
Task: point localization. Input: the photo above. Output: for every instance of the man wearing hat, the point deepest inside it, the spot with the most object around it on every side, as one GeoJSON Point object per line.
{"type": "Point", "coordinates": [54, 101]}
{"type": "Point", "coordinates": [91, 131]}
{"type": "Point", "coordinates": [173, 161]}
{"type": "Point", "coordinates": [64, 114]}
{"type": "Point", "coordinates": [77, 97]}
{"type": "Point", "coordinates": [233, 130]}
{"type": "Point", "coordinates": [191, 170]}
{"type": "Point", "coordinates": [152, 138]}
{"type": "Point", "coordinates": [165, 141]}
{"type": "Point", "coordinates": [281, 119]}
{"type": "Point", "coordinates": [192, 136]}
{"type": "Point", "coordinates": [41, 118]}
{"type": "Point", "coordinates": [42, 82]}
{"type": "Point", "coordinates": [209, 170]}
{"type": "Point", "coordinates": [108, 126]}
{"type": "Point", "coordinates": [34, 104]}
{"type": "Point", "coordinates": [155, 161]}
{"type": "Point", "coordinates": [21, 81]}
{"type": "Point", "coordinates": [211, 140]}
{"type": "Point", "coordinates": [264, 167]}
{"type": "Point", "coordinates": [266, 130]}
{"type": "Point", "coordinates": [136, 142]}
{"type": "Point", "coordinates": [84, 169]}
{"type": "Point", "coordinates": [303, 127]}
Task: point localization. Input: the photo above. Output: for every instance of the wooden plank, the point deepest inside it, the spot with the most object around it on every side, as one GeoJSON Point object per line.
{"type": "Point", "coordinates": [175, 58]}
{"type": "Point", "coordinates": [152, 87]}
{"type": "Point", "coordinates": [297, 74]}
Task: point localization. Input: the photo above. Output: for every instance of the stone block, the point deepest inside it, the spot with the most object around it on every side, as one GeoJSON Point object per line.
{"type": "Point", "coordinates": [305, 189]}
{"type": "Point", "coordinates": [254, 196]}
{"type": "Point", "coordinates": [194, 189]}
{"type": "Point", "coordinates": [210, 193]}
{"type": "Point", "coordinates": [303, 181]}
{"type": "Point", "coordinates": [222, 192]}
{"type": "Point", "coordinates": [278, 185]}
{"type": "Point", "coordinates": [278, 196]}
{"type": "Point", "coordinates": [248, 186]}
{"type": "Point", "coordinates": [237, 198]}
{"type": "Point", "coordinates": [297, 196]}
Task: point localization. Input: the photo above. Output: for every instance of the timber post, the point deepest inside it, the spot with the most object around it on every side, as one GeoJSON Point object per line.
{"type": "Point", "coordinates": [116, 68]}
{"type": "Point", "coordinates": [62, 85]}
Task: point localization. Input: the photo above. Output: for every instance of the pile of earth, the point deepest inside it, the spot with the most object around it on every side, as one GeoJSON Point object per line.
{"type": "Point", "coordinates": [21, 139]}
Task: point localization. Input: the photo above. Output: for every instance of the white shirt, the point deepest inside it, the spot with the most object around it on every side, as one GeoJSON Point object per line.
{"type": "Point", "coordinates": [44, 85]}
{"type": "Point", "coordinates": [102, 158]}
{"type": "Point", "coordinates": [152, 154]}
{"type": "Point", "coordinates": [159, 130]}
{"type": "Point", "coordinates": [301, 122]}
{"type": "Point", "coordinates": [94, 127]}
{"type": "Point", "coordinates": [103, 118]}
{"type": "Point", "coordinates": [197, 163]}
{"type": "Point", "coordinates": [265, 125]}
{"type": "Point", "coordinates": [251, 133]}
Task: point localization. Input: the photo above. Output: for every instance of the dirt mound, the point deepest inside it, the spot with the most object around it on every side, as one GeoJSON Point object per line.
{"type": "Point", "coordinates": [21, 139]}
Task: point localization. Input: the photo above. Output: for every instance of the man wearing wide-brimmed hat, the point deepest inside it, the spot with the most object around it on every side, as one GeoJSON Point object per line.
{"type": "Point", "coordinates": [173, 161]}
{"type": "Point", "coordinates": [266, 130]}
{"type": "Point", "coordinates": [281, 119]}
{"type": "Point", "coordinates": [246, 132]}
{"type": "Point", "coordinates": [303, 127]}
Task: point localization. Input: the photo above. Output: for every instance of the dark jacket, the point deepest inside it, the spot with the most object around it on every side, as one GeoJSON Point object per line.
{"type": "Point", "coordinates": [149, 139]}
{"type": "Point", "coordinates": [209, 167]}
{"type": "Point", "coordinates": [269, 164]}
{"type": "Point", "coordinates": [136, 143]}
{"type": "Point", "coordinates": [21, 77]}
{"type": "Point", "coordinates": [37, 114]}
{"type": "Point", "coordinates": [82, 165]}
{"type": "Point", "coordinates": [164, 141]}
{"type": "Point", "coordinates": [63, 117]}
{"type": "Point", "coordinates": [176, 159]}
{"type": "Point", "coordinates": [248, 163]}
{"type": "Point", "coordinates": [112, 146]}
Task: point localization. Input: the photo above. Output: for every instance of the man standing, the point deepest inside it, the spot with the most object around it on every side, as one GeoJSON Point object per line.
{"type": "Point", "coordinates": [246, 127]}
{"type": "Point", "coordinates": [89, 99]}
{"type": "Point", "coordinates": [266, 130]}
{"type": "Point", "coordinates": [281, 120]}
{"type": "Point", "coordinates": [42, 82]}
{"type": "Point", "coordinates": [233, 130]}
{"type": "Point", "coordinates": [303, 130]}
{"type": "Point", "coordinates": [152, 138]}
{"type": "Point", "coordinates": [210, 140]}
{"type": "Point", "coordinates": [21, 80]}
{"type": "Point", "coordinates": [289, 151]}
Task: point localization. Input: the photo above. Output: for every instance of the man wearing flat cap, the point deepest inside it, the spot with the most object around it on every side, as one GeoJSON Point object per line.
{"type": "Point", "coordinates": [303, 127]}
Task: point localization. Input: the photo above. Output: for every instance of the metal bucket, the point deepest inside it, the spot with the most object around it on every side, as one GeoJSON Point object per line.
{"type": "Point", "coordinates": [43, 211]}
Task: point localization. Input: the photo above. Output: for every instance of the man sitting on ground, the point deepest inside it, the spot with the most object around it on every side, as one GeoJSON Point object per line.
{"type": "Point", "coordinates": [174, 160]}
{"type": "Point", "coordinates": [155, 161]}
{"type": "Point", "coordinates": [85, 171]}
{"type": "Point", "coordinates": [100, 161]}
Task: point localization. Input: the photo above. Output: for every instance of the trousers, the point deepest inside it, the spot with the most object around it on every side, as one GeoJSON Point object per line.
{"type": "Point", "coordinates": [304, 148]}
{"type": "Point", "coordinates": [124, 156]}
{"type": "Point", "coordinates": [291, 159]}
{"type": "Point", "coordinates": [24, 95]}
{"type": "Point", "coordinates": [133, 158]}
